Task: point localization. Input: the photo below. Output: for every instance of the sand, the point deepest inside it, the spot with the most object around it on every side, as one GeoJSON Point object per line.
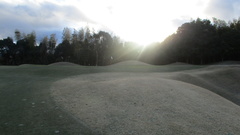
{"type": "Point", "coordinates": [202, 101]}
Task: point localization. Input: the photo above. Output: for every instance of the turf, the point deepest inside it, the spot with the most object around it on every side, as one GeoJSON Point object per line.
{"type": "Point", "coordinates": [26, 106]}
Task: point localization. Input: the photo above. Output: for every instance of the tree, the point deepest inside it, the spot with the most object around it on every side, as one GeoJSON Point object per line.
{"type": "Point", "coordinates": [26, 49]}
{"type": "Point", "coordinates": [102, 47]}
{"type": "Point", "coordinates": [81, 35]}
{"type": "Point", "coordinates": [43, 48]}
{"type": "Point", "coordinates": [219, 23]}
{"type": "Point", "coordinates": [194, 42]}
{"type": "Point", "coordinates": [7, 51]}
{"type": "Point", "coordinates": [74, 39]}
{"type": "Point", "coordinates": [199, 41]}
{"type": "Point", "coordinates": [18, 35]}
{"type": "Point", "coordinates": [52, 43]}
{"type": "Point", "coordinates": [116, 49]}
{"type": "Point", "coordinates": [64, 51]}
{"type": "Point", "coordinates": [31, 40]}
{"type": "Point", "coordinates": [87, 33]}
{"type": "Point", "coordinates": [66, 35]}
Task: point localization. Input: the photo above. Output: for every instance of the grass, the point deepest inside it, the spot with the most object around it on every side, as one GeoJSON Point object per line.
{"type": "Point", "coordinates": [27, 108]}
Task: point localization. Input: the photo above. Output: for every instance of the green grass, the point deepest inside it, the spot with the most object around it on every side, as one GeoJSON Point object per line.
{"type": "Point", "coordinates": [26, 107]}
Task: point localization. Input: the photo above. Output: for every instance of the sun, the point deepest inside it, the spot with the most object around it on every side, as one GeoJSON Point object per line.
{"type": "Point", "coordinates": [136, 21]}
{"type": "Point", "coordinates": [144, 32]}
{"type": "Point", "coordinates": [140, 21]}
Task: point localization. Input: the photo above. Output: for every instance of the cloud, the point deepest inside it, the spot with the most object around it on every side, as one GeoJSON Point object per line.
{"type": "Point", "coordinates": [179, 21]}
{"type": "Point", "coordinates": [43, 17]}
{"type": "Point", "coordinates": [129, 19]}
{"type": "Point", "coordinates": [223, 9]}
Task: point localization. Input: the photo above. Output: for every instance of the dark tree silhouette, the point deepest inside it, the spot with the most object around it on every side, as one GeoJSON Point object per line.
{"type": "Point", "coordinates": [197, 42]}
{"type": "Point", "coordinates": [7, 51]}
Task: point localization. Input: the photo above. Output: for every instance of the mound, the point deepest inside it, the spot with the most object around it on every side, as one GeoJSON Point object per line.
{"type": "Point", "coordinates": [25, 65]}
{"type": "Point", "coordinates": [178, 63]}
{"type": "Point", "coordinates": [63, 64]}
{"type": "Point", "coordinates": [222, 80]}
{"type": "Point", "coordinates": [228, 63]}
{"type": "Point", "coordinates": [127, 103]}
{"type": "Point", "coordinates": [131, 63]}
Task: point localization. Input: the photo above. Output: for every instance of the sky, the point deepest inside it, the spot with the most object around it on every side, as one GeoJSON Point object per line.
{"type": "Point", "coordinates": [140, 21]}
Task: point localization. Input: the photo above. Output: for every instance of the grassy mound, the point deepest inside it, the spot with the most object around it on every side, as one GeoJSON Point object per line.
{"type": "Point", "coordinates": [228, 63]}
{"type": "Point", "coordinates": [63, 64]}
{"type": "Point", "coordinates": [131, 63]}
{"type": "Point", "coordinates": [146, 98]}
{"type": "Point", "coordinates": [222, 80]}
{"type": "Point", "coordinates": [179, 63]}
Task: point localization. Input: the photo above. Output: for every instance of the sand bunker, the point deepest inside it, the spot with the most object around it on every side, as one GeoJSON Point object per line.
{"type": "Point", "coordinates": [145, 103]}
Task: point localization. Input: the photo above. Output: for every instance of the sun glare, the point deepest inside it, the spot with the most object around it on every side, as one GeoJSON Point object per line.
{"type": "Point", "coordinates": [141, 21]}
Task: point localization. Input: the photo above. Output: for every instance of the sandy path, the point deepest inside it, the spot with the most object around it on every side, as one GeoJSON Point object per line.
{"type": "Point", "coordinates": [142, 103]}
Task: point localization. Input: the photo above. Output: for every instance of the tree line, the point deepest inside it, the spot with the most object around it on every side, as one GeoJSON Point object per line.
{"type": "Point", "coordinates": [199, 41]}
{"type": "Point", "coordinates": [82, 47]}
